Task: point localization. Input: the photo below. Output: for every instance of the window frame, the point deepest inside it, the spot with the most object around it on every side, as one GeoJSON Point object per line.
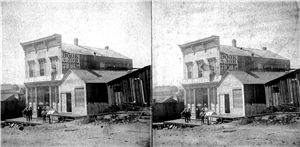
{"type": "Point", "coordinates": [239, 99]}
{"type": "Point", "coordinates": [31, 67]}
{"type": "Point", "coordinates": [42, 66]}
{"type": "Point", "coordinates": [200, 64]}
{"type": "Point", "coordinates": [212, 64]}
{"type": "Point", "coordinates": [189, 66]}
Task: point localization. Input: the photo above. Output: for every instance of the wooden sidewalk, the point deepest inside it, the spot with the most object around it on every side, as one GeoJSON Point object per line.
{"type": "Point", "coordinates": [22, 120]}
{"type": "Point", "coordinates": [193, 122]}
{"type": "Point", "coordinates": [68, 115]}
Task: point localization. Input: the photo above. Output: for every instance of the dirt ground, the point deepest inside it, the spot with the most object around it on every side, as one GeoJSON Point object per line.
{"type": "Point", "coordinates": [230, 134]}
{"type": "Point", "coordinates": [76, 134]}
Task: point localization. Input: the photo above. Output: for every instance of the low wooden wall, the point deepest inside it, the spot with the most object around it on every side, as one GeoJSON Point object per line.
{"type": "Point", "coordinates": [12, 109]}
{"type": "Point", "coordinates": [254, 109]}
{"type": "Point", "coordinates": [167, 111]}
{"type": "Point", "coordinates": [96, 108]}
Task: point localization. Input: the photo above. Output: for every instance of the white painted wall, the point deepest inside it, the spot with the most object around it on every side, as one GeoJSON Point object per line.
{"type": "Point", "coordinates": [52, 51]}
{"type": "Point", "coordinates": [200, 55]}
{"type": "Point", "coordinates": [68, 86]}
{"type": "Point", "coordinates": [227, 87]}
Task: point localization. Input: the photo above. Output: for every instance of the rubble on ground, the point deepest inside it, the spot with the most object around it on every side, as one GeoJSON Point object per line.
{"type": "Point", "coordinates": [281, 119]}
{"type": "Point", "coordinates": [282, 114]}
{"type": "Point", "coordinates": [121, 117]}
{"type": "Point", "coordinates": [170, 126]}
{"type": "Point", "coordinates": [124, 107]}
{"type": "Point", "coordinates": [281, 108]}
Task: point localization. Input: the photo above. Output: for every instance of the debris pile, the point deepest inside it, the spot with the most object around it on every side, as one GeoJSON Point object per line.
{"type": "Point", "coordinates": [281, 119]}
{"type": "Point", "coordinates": [288, 108]}
{"type": "Point", "coordinates": [116, 118]}
{"type": "Point", "coordinates": [282, 114]}
{"type": "Point", "coordinates": [169, 126]}
{"type": "Point", "coordinates": [246, 121]}
{"type": "Point", "coordinates": [281, 108]}
{"type": "Point", "coordinates": [276, 119]}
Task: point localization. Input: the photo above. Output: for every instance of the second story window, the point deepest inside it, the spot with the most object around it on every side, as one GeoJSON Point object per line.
{"type": "Point", "coordinates": [53, 63]}
{"type": "Point", "coordinates": [31, 68]}
{"type": "Point", "coordinates": [200, 68]}
{"type": "Point", "coordinates": [259, 66]}
{"type": "Point", "coordinates": [212, 64]}
{"type": "Point", "coordinates": [189, 70]}
{"type": "Point", "coordinates": [42, 67]}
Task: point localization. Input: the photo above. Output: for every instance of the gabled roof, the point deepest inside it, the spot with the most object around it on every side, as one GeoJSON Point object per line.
{"type": "Point", "coordinates": [8, 97]}
{"type": "Point", "coordinates": [164, 99]}
{"type": "Point", "coordinates": [287, 74]}
{"type": "Point", "coordinates": [73, 49]}
{"type": "Point", "coordinates": [85, 50]}
{"type": "Point", "coordinates": [240, 51]}
{"type": "Point", "coordinates": [95, 76]}
{"type": "Point", "coordinates": [131, 73]}
{"type": "Point", "coordinates": [253, 77]}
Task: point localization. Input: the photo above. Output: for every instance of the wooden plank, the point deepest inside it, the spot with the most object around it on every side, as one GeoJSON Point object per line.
{"type": "Point", "coordinates": [283, 86]}
{"type": "Point", "coordinates": [142, 92]}
{"type": "Point", "coordinates": [289, 90]}
{"type": "Point", "coordinates": [295, 93]}
{"type": "Point", "coordinates": [298, 91]}
{"type": "Point", "coordinates": [270, 96]}
{"type": "Point", "coordinates": [280, 92]}
{"type": "Point", "coordinates": [267, 97]}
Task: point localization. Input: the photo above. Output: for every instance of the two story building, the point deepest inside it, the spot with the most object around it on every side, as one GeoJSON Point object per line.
{"type": "Point", "coordinates": [206, 61]}
{"type": "Point", "coordinates": [48, 59]}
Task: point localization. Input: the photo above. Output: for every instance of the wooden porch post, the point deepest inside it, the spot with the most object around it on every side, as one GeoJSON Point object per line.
{"type": "Point", "coordinates": [27, 102]}
{"type": "Point", "coordinates": [50, 97]}
{"type": "Point", "coordinates": [208, 99]}
{"type": "Point", "coordinates": [194, 95]}
{"type": "Point", "coordinates": [56, 97]}
{"type": "Point", "coordinates": [215, 98]}
{"type": "Point", "coordinates": [36, 102]}
{"type": "Point", "coordinates": [184, 96]}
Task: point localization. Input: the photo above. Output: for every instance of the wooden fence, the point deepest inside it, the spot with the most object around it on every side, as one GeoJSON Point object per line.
{"type": "Point", "coordinates": [167, 111]}
{"type": "Point", "coordinates": [254, 109]}
{"type": "Point", "coordinates": [12, 109]}
{"type": "Point", "coordinates": [96, 108]}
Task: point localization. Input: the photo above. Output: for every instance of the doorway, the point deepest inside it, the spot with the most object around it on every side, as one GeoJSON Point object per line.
{"type": "Point", "coordinates": [69, 102]}
{"type": "Point", "coordinates": [227, 104]}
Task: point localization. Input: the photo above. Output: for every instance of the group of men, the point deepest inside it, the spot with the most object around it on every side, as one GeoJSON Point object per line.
{"type": "Point", "coordinates": [42, 112]}
{"type": "Point", "coordinates": [200, 113]}
{"type": "Point", "coordinates": [186, 113]}
{"type": "Point", "coordinates": [27, 112]}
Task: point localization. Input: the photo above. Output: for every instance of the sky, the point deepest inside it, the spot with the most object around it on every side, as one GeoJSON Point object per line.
{"type": "Point", "coordinates": [274, 25]}
{"type": "Point", "coordinates": [123, 26]}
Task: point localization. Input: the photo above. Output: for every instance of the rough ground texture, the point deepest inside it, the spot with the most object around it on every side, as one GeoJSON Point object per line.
{"type": "Point", "coordinates": [230, 134]}
{"type": "Point", "coordinates": [77, 134]}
